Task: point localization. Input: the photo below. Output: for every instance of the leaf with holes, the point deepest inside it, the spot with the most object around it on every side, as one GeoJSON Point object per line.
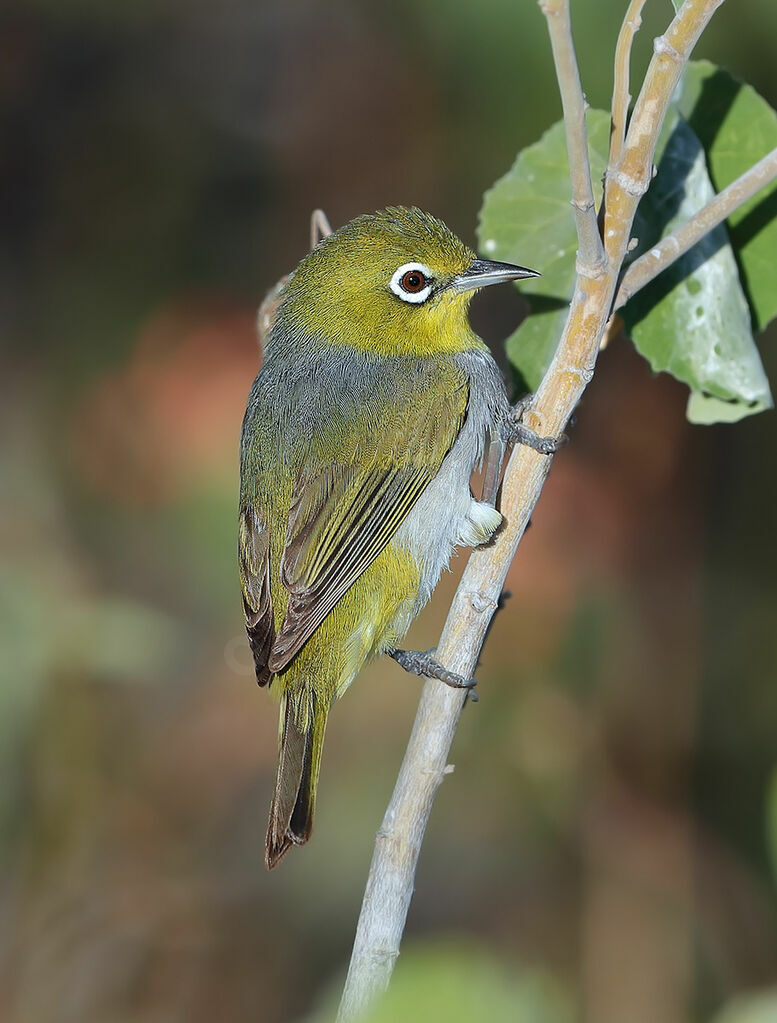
{"type": "Point", "coordinates": [693, 321]}
{"type": "Point", "coordinates": [737, 127]}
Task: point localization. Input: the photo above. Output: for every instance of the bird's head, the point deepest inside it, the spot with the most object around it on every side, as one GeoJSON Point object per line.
{"type": "Point", "coordinates": [393, 282]}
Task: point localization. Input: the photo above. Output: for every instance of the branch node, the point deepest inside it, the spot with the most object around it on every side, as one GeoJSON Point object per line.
{"type": "Point", "coordinates": [631, 186]}
{"type": "Point", "coordinates": [384, 955]}
{"type": "Point", "coordinates": [591, 271]}
{"type": "Point", "coordinates": [481, 602]}
{"type": "Point", "coordinates": [584, 373]}
{"type": "Point", "coordinates": [663, 48]}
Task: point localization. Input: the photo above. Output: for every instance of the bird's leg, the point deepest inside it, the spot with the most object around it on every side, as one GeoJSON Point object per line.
{"type": "Point", "coordinates": [517, 432]}
{"type": "Point", "coordinates": [495, 453]}
{"type": "Point", "coordinates": [421, 662]}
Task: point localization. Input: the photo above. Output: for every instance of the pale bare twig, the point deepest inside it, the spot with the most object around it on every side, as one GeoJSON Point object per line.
{"type": "Point", "coordinates": [590, 255]}
{"type": "Point", "coordinates": [628, 180]}
{"type": "Point", "coordinates": [319, 227]}
{"type": "Point", "coordinates": [268, 310]}
{"type": "Point", "coordinates": [643, 270]}
{"type": "Point", "coordinates": [621, 97]}
{"type": "Point", "coordinates": [397, 847]}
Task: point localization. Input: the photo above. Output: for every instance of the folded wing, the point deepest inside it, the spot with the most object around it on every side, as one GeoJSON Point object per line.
{"type": "Point", "coordinates": [342, 515]}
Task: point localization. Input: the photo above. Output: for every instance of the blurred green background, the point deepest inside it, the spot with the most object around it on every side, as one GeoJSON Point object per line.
{"type": "Point", "coordinates": [602, 849]}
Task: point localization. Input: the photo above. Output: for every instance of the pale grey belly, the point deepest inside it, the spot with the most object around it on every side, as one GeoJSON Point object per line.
{"type": "Point", "coordinates": [446, 515]}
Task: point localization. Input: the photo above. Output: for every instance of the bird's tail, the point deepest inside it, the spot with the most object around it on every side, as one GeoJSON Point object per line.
{"type": "Point", "coordinates": [291, 811]}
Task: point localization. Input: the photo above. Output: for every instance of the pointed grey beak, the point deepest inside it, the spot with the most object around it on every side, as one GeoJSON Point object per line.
{"type": "Point", "coordinates": [483, 272]}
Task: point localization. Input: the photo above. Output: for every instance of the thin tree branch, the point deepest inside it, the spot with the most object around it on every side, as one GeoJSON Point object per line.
{"type": "Point", "coordinates": [621, 97]}
{"type": "Point", "coordinates": [643, 270]}
{"type": "Point", "coordinates": [628, 180]}
{"type": "Point", "coordinates": [319, 227]}
{"type": "Point", "coordinates": [591, 257]}
{"type": "Point", "coordinates": [398, 844]}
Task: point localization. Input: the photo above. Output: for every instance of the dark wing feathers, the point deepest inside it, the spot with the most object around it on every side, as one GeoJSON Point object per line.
{"type": "Point", "coordinates": [254, 565]}
{"type": "Point", "coordinates": [342, 517]}
{"type": "Point", "coordinates": [328, 556]}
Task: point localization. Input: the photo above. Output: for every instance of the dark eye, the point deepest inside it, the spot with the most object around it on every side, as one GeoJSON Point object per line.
{"type": "Point", "coordinates": [413, 281]}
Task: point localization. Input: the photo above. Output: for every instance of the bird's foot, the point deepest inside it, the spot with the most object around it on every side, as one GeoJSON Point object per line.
{"type": "Point", "coordinates": [518, 433]}
{"type": "Point", "coordinates": [520, 406]}
{"type": "Point", "coordinates": [421, 662]}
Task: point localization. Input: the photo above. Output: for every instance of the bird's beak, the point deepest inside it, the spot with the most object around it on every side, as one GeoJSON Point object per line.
{"type": "Point", "coordinates": [482, 272]}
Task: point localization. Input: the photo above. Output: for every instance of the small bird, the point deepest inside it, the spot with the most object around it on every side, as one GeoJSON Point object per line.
{"type": "Point", "coordinates": [374, 404]}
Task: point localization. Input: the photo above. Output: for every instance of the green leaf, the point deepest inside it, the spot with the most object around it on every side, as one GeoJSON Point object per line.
{"type": "Point", "coordinates": [706, 409]}
{"type": "Point", "coordinates": [530, 348]}
{"type": "Point", "coordinates": [527, 218]}
{"type": "Point", "coordinates": [737, 128]}
{"type": "Point", "coordinates": [693, 320]}
{"type": "Point", "coordinates": [458, 981]}
{"type": "Point", "coordinates": [758, 1008]}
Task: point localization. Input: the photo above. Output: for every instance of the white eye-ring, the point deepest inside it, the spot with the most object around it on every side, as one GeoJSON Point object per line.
{"type": "Point", "coordinates": [412, 282]}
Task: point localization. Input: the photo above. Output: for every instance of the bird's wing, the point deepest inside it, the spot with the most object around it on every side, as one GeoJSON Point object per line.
{"type": "Point", "coordinates": [254, 566]}
{"type": "Point", "coordinates": [342, 517]}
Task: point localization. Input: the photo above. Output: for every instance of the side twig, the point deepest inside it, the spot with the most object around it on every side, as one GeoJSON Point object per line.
{"type": "Point", "coordinates": [390, 882]}
{"type": "Point", "coordinates": [628, 180]}
{"type": "Point", "coordinates": [590, 257]}
{"type": "Point", "coordinates": [319, 227]}
{"type": "Point", "coordinates": [621, 97]}
{"type": "Point", "coordinates": [643, 270]}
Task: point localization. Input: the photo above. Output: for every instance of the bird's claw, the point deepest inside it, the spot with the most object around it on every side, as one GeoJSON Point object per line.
{"type": "Point", "coordinates": [421, 662]}
{"type": "Point", "coordinates": [518, 433]}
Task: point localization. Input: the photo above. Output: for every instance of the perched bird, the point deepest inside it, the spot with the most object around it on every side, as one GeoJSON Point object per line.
{"type": "Point", "coordinates": [373, 406]}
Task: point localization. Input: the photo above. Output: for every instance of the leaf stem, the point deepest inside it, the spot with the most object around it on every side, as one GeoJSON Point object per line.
{"type": "Point", "coordinates": [643, 270]}
{"type": "Point", "coordinates": [591, 259]}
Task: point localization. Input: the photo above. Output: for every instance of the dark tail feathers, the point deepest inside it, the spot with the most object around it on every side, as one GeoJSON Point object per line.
{"type": "Point", "coordinates": [291, 811]}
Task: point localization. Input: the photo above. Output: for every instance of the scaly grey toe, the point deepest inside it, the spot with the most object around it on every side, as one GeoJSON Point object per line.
{"type": "Point", "coordinates": [520, 434]}
{"type": "Point", "coordinates": [421, 662]}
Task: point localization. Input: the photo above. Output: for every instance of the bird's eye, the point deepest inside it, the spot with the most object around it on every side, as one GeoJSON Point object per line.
{"type": "Point", "coordinates": [412, 282]}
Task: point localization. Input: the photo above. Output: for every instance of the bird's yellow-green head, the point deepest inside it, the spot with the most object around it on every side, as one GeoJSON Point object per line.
{"type": "Point", "coordinates": [394, 282]}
